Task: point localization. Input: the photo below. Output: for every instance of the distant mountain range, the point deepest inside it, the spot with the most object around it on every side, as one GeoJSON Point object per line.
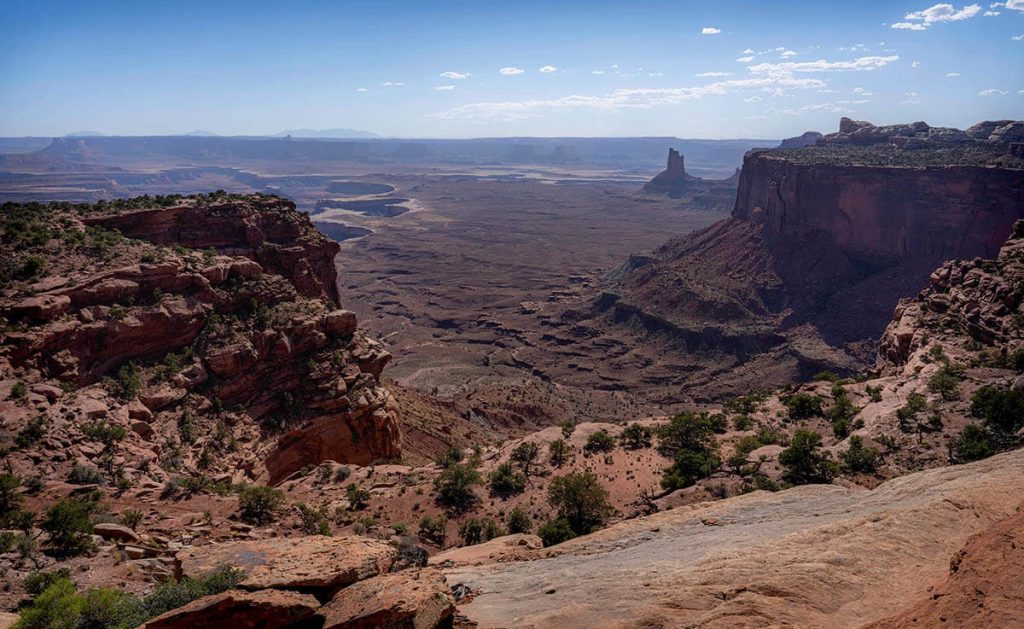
{"type": "Point", "coordinates": [334, 134]}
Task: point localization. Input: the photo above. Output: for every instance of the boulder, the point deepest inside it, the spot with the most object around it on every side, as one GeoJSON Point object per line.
{"type": "Point", "coordinates": [340, 323]}
{"type": "Point", "coordinates": [115, 532]}
{"type": "Point", "coordinates": [308, 563]}
{"type": "Point", "coordinates": [234, 609]}
{"type": "Point", "coordinates": [411, 599]}
{"type": "Point", "coordinates": [504, 548]}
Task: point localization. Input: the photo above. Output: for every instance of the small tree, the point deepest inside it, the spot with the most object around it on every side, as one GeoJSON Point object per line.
{"type": "Point", "coordinates": [434, 529]}
{"type": "Point", "coordinates": [581, 500]}
{"type": "Point", "coordinates": [518, 521]}
{"type": "Point", "coordinates": [69, 527]}
{"type": "Point", "coordinates": [556, 531]}
{"type": "Point", "coordinates": [803, 406]}
{"type": "Point", "coordinates": [259, 504]}
{"type": "Point", "coordinates": [600, 441]}
{"type": "Point", "coordinates": [690, 440]}
{"type": "Point", "coordinates": [455, 484]}
{"type": "Point", "coordinates": [946, 382]}
{"type": "Point", "coordinates": [358, 498]}
{"type": "Point", "coordinates": [558, 452]}
{"type": "Point", "coordinates": [635, 437]}
{"type": "Point", "coordinates": [474, 531]}
{"type": "Point", "coordinates": [506, 479]}
{"type": "Point", "coordinates": [1002, 410]}
{"type": "Point", "coordinates": [857, 458]}
{"type": "Point", "coordinates": [803, 460]}
{"type": "Point", "coordinates": [973, 444]}
{"type": "Point", "coordinates": [525, 454]}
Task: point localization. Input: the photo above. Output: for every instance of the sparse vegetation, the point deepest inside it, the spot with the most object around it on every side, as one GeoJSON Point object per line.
{"type": "Point", "coordinates": [68, 524]}
{"type": "Point", "coordinates": [859, 458]}
{"type": "Point", "coordinates": [518, 521]}
{"type": "Point", "coordinates": [690, 440]}
{"type": "Point", "coordinates": [600, 441]}
{"type": "Point", "coordinates": [454, 486]}
{"type": "Point", "coordinates": [259, 504]}
{"type": "Point", "coordinates": [558, 452]}
{"type": "Point", "coordinates": [525, 455]}
{"type": "Point", "coordinates": [635, 437]}
{"type": "Point", "coordinates": [803, 405]}
{"type": "Point", "coordinates": [804, 462]}
{"type": "Point", "coordinates": [506, 479]}
{"type": "Point", "coordinates": [581, 500]}
{"type": "Point", "coordinates": [474, 531]}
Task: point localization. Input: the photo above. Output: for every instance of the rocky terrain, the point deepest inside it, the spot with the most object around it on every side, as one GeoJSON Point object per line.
{"type": "Point", "coordinates": [822, 242]}
{"type": "Point", "coordinates": [198, 429]}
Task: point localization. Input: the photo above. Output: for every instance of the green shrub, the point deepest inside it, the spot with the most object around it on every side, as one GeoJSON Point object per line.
{"type": "Point", "coordinates": [103, 431]}
{"type": "Point", "coordinates": [128, 381]}
{"type": "Point", "coordinates": [857, 458]}
{"type": "Point", "coordinates": [555, 532]}
{"type": "Point", "coordinates": [803, 406]}
{"type": "Point", "coordinates": [32, 433]}
{"type": "Point", "coordinates": [434, 529]}
{"type": "Point", "coordinates": [719, 423]}
{"type": "Point", "coordinates": [85, 475]}
{"type": "Point", "coordinates": [10, 497]}
{"type": "Point", "coordinates": [558, 452]}
{"type": "Point", "coordinates": [450, 457]}
{"type": "Point", "coordinates": [454, 486]}
{"type": "Point", "coordinates": [506, 480]}
{"type": "Point", "coordinates": [19, 391]}
{"type": "Point", "coordinates": [600, 441]}
{"type": "Point", "coordinates": [973, 444]}
{"type": "Point", "coordinates": [259, 504]}
{"type": "Point", "coordinates": [874, 393]}
{"type": "Point", "coordinates": [518, 521]}
{"type": "Point", "coordinates": [313, 521]}
{"type": "Point", "coordinates": [69, 526]}
{"type": "Point", "coordinates": [474, 531]}
{"type": "Point", "coordinates": [742, 422]}
{"type": "Point", "coordinates": [946, 382]}
{"type": "Point", "coordinates": [915, 404]}
{"type": "Point", "coordinates": [635, 437]}
{"type": "Point", "coordinates": [1002, 410]}
{"type": "Point", "coordinates": [37, 581]}
{"type": "Point", "coordinates": [59, 606]}
{"type": "Point", "coordinates": [826, 376]}
{"type": "Point", "coordinates": [581, 500]}
{"type": "Point", "coordinates": [803, 461]}
{"type": "Point", "coordinates": [568, 427]}
{"type": "Point", "coordinates": [358, 499]}
{"type": "Point", "coordinates": [130, 517]}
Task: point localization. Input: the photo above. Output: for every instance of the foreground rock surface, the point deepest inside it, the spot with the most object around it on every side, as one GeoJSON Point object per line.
{"type": "Point", "coordinates": [310, 563]}
{"type": "Point", "coordinates": [267, 609]}
{"type": "Point", "coordinates": [411, 599]}
{"type": "Point", "coordinates": [813, 556]}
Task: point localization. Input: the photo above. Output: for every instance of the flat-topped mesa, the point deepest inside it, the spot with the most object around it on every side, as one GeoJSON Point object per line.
{"type": "Point", "coordinates": [266, 229]}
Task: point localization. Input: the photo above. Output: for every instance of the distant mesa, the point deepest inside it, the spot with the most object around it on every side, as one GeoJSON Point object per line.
{"type": "Point", "coordinates": [200, 133]}
{"type": "Point", "coordinates": [706, 194]}
{"type": "Point", "coordinates": [808, 138]}
{"type": "Point", "coordinates": [672, 182]}
{"type": "Point", "coordinates": [85, 134]}
{"type": "Point", "coordinates": [333, 134]}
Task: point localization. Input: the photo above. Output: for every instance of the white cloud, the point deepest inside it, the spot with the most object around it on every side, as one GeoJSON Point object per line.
{"type": "Point", "coordinates": [748, 51]}
{"type": "Point", "coordinates": [392, 84]}
{"type": "Point", "coordinates": [615, 66]}
{"type": "Point", "coordinates": [914, 64]}
{"type": "Point", "coordinates": [786, 54]}
{"type": "Point", "coordinates": [456, 76]}
{"type": "Point", "coordinates": [710, 30]}
{"type": "Point", "coordinates": [707, 74]}
{"type": "Point", "coordinates": [862, 92]}
{"type": "Point", "coordinates": [643, 98]}
{"type": "Point", "coordinates": [944, 12]}
{"type": "Point", "coordinates": [745, 59]}
{"type": "Point", "coordinates": [1013, 5]}
{"type": "Point", "coordinates": [510, 71]}
{"type": "Point", "coordinates": [444, 88]}
{"type": "Point", "coordinates": [597, 71]}
{"type": "Point", "coordinates": [952, 75]}
{"type": "Point", "coordinates": [362, 89]}
{"type": "Point", "coordinates": [910, 98]}
{"type": "Point", "coordinates": [990, 13]}
{"type": "Point", "coordinates": [992, 92]}
{"type": "Point", "coordinates": [655, 74]}
{"type": "Point", "coordinates": [1018, 37]}
{"type": "Point", "coordinates": [856, 48]}
{"type": "Point", "coordinates": [548, 69]}
{"type": "Point", "coordinates": [753, 99]}
{"type": "Point", "coordinates": [821, 65]}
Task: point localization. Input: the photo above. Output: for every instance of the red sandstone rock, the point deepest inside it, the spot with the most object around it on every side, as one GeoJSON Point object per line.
{"type": "Point", "coordinates": [267, 609]}
{"type": "Point", "coordinates": [410, 599]}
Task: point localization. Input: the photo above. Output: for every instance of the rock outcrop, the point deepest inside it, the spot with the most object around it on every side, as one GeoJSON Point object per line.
{"type": "Point", "coordinates": [161, 338]}
{"type": "Point", "coordinates": [674, 182]}
{"type": "Point", "coordinates": [919, 135]}
{"type": "Point", "coordinates": [266, 609]}
{"type": "Point", "coordinates": [808, 138]}
{"type": "Point", "coordinates": [822, 243]}
{"type": "Point", "coordinates": [411, 599]}
{"type": "Point", "coordinates": [265, 229]}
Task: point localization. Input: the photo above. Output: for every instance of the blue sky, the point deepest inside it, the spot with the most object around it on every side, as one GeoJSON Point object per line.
{"type": "Point", "coordinates": [481, 68]}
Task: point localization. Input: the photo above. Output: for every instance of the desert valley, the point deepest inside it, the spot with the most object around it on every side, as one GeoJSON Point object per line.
{"type": "Point", "coordinates": [332, 380]}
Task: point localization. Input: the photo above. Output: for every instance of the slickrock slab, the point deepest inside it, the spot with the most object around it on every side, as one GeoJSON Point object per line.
{"type": "Point", "coordinates": [811, 556]}
{"type": "Point", "coordinates": [411, 599]}
{"type": "Point", "coordinates": [314, 562]}
{"type": "Point", "coordinates": [234, 609]}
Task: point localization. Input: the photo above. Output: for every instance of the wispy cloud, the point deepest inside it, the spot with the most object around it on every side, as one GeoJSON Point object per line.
{"type": "Point", "coordinates": [621, 99]}
{"type": "Point", "coordinates": [444, 88]}
{"type": "Point", "coordinates": [992, 92]}
{"type": "Point", "coordinates": [746, 59]}
{"type": "Point", "coordinates": [952, 75]}
{"type": "Point", "coordinates": [910, 98]}
{"type": "Point", "coordinates": [710, 30]}
{"type": "Point", "coordinates": [944, 12]}
{"type": "Point", "coordinates": [1013, 5]}
{"type": "Point", "coordinates": [1018, 37]}
{"type": "Point", "coordinates": [548, 69]}
{"type": "Point", "coordinates": [392, 84]}
{"type": "Point", "coordinates": [786, 54]}
{"type": "Point", "coordinates": [709, 74]}
{"type": "Point", "coordinates": [821, 65]}
{"type": "Point", "coordinates": [597, 71]}
{"type": "Point", "coordinates": [860, 91]}
{"type": "Point", "coordinates": [362, 89]}
{"type": "Point", "coordinates": [456, 76]}
{"type": "Point", "coordinates": [510, 71]}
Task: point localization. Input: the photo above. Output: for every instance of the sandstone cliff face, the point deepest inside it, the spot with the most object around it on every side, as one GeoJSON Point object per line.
{"type": "Point", "coordinates": [267, 230]}
{"type": "Point", "coordinates": [186, 344]}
